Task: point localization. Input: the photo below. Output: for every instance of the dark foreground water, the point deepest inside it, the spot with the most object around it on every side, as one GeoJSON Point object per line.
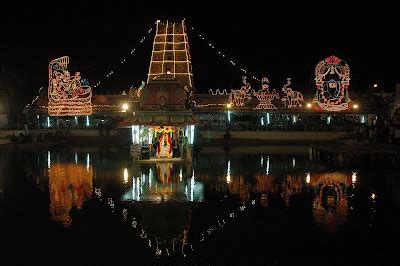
{"type": "Point", "coordinates": [94, 205]}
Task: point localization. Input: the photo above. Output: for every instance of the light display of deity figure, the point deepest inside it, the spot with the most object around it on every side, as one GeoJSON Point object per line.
{"type": "Point", "coordinates": [68, 95]}
{"type": "Point", "coordinates": [332, 77]}
{"type": "Point", "coordinates": [164, 149]}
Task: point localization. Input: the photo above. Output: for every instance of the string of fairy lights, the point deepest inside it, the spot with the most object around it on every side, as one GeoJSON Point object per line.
{"type": "Point", "coordinates": [223, 55]}
{"type": "Point", "coordinates": [180, 245]}
{"type": "Point", "coordinates": [124, 60]}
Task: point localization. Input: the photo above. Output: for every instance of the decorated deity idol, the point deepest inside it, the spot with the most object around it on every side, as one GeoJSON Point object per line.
{"type": "Point", "coordinates": [164, 149]}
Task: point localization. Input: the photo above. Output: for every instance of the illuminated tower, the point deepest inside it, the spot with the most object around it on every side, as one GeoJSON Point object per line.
{"type": "Point", "coordinates": [171, 53]}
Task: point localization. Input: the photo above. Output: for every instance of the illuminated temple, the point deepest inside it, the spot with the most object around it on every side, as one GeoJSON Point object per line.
{"type": "Point", "coordinates": [162, 113]}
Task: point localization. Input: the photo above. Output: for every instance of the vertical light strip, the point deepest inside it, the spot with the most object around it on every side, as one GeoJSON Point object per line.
{"type": "Point", "coordinates": [229, 116]}
{"type": "Point", "coordinates": [150, 177]}
{"type": "Point", "coordinates": [125, 175]}
{"type": "Point", "coordinates": [191, 134]}
{"type": "Point", "coordinates": [165, 44]}
{"type": "Point", "coordinates": [137, 135]}
{"type": "Point", "coordinates": [76, 158]}
{"type": "Point", "coordinates": [87, 161]}
{"type": "Point", "coordinates": [87, 121]}
{"type": "Point", "coordinates": [137, 187]}
{"type": "Point", "coordinates": [48, 159]}
{"type": "Point", "coordinates": [192, 186]}
{"type": "Point", "coordinates": [228, 172]}
{"type": "Point", "coordinates": [152, 53]}
{"type": "Point", "coordinates": [173, 47]}
{"type": "Point", "coordinates": [187, 52]}
{"type": "Point", "coordinates": [48, 121]}
{"type": "Point", "coordinates": [267, 165]}
{"type": "Point", "coordinates": [268, 120]}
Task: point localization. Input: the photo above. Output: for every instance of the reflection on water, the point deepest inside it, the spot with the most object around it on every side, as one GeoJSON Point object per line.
{"type": "Point", "coordinates": [330, 202]}
{"type": "Point", "coordinates": [69, 186]}
{"type": "Point", "coordinates": [71, 183]}
{"type": "Point", "coordinates": [162, 182]}
{"type": "Point", "coordinates": [174, 201]}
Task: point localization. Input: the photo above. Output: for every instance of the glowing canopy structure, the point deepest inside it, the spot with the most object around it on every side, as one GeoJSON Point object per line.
{"type": "Point", "coordinates": [68, 95]}
{"type": "Point", "coordinates": [332, 77]}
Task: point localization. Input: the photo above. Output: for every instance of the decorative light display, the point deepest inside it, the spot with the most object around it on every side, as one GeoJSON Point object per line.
{"type": "Point", "coordinates": [124, 60]}
{"type": "Point", "coordinates": [68, 95]}
{"type": "Point", "coordinates": [265, 97]}
{"type": "Point", "coordinates": [241, 96]}
{"type": "Point", "coordinates": [188, 245]}
{"type": "Point", "coordinates": [292, 98]}
{"type": "Point", "coordinates": [233, 63]}
{"type": "Point", "coordinates": [332, 77]}
{"type": "Point", "coordinates": [170, 53]}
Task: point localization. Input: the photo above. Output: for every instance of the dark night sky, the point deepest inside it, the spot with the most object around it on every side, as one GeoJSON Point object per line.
{"type": "Point", "coordinates": [274, 39]}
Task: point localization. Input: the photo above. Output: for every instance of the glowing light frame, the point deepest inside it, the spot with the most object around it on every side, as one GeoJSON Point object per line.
{"type": "Point", "coordinates": [339, 101]}
{"type": "Point", "coordinates": [68, 95]}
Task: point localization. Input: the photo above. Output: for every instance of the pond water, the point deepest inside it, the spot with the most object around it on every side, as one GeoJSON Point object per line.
{"type": "Point", "coordinates": [244, 206]}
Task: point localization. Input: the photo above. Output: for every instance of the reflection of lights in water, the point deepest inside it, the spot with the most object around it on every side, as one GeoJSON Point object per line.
{"type": "Point", "coordinates": [76, 158]}
{"type": "Point", "coordinates": [133, 188]}
{"type": "Point", "coordinates": [192, 187]}
{"type": "Point", "coordinates": [373, 196]}
{"type": "Point", "coordinates": [142, 183]}
{"type": "Point", "coordinates": [267, 165]}
{"type": "Point", "coordinates": [180, 175]}
{"type": "Point", "coordinates": [308, 178]}
{"type": "Point", "coordinates": [228, 173]}
{"type": "Point", "coordinates": [229, 116]}
{"type": "Point", "coordinates": [125, 176]}
{"type": "Point", "coordinates": [137, 188]}
{"type": "Point", "coordinates": [150, 177]}
{"type": "Point", "coordinates": [48, 159]}
{"type": "Point", "coordinates": [87, 161]}
{"type": "Point", "coordinates": [262, 121]}
{"type": "Point", "coordinates": [294, 162]}
{"type": "Point", "coordinates": [262, 161]}
{"type": "Point", "coordinates": [354, 177]}
{"type": "Point", "coordinates": [87, 121]}
{"type": "Point", "coordinates": [328, 119]}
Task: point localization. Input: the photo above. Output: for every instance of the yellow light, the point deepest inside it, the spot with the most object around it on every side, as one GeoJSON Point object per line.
{"type": "Point", "coordinates": [168, 72]}
{"type": "Point", "coordinates": [308, 178]}
{"type": "Point", "coordinates": [355, 106]}
{"type": "Point", "coordinates": [308, 105]}
{"type": "Point", "coordinates": [125, 176]}
{"type": "Point", "coordinates": [373, 196]}
{"type": "Point", "coordinates": [375, 85]}
{"type": "Point", "coordinates": [125, 106]}
{"type": "Point", "coordinates": [229, 105]}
